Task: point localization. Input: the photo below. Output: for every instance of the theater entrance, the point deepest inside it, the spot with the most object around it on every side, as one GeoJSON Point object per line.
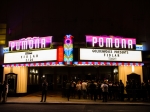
{"type": "Point", "coordinates": [56, 76]}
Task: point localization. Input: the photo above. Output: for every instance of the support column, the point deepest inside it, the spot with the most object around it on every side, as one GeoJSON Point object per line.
{"type": "Point", "coordinates": [22, 73]}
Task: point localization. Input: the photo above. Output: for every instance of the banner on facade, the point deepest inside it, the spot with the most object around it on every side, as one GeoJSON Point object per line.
{"type": "Point", "coordinates": [31, 56]}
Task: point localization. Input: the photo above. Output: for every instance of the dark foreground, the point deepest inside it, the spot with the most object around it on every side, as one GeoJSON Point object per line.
{"type": "Point", "coordinates": [72, 108]}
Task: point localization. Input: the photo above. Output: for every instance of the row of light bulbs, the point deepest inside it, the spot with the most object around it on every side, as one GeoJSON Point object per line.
{"type": "Point", "coordinates": [33, 71]}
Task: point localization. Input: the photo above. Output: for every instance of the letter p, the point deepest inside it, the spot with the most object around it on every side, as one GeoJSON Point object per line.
{"type": "Point", "coordinates": [12, 46]}
{"type": "Point", "coordinates": [94, 41]}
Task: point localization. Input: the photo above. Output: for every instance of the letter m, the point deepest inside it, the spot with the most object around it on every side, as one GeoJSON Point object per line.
{"type": "Point", "coordinates": [24, 45]}
{"type": "Point", "coordinates": [108, 42]}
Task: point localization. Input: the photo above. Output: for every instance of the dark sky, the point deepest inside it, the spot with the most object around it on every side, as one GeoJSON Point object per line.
{"type": "Point", "coordinates": [127, 18]}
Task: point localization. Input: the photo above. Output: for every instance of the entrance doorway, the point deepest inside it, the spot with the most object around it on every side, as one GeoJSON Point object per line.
{"type": "Point", "coordinates": [55, 82]}
{"type": "Point", "coordinates": [11, 79]}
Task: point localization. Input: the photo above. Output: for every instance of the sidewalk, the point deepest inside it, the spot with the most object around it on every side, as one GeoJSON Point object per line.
{"type": "Point", "coordinates": [58, 99]}
{"type": "Point", "coordinates": [53, 100]}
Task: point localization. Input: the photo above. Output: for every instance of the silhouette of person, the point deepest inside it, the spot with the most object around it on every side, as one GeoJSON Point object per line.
{"type": "Point", "coordinates": [44, 90]}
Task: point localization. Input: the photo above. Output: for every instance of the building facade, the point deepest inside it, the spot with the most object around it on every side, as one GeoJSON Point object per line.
{"type": "Point", "coordinates": [28, 61]}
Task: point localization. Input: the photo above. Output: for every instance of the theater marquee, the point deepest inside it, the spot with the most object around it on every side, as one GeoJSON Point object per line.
{"type": "Point", "coordinates": [31, 56]}
{"type": "Point", "coordinates": [110, 55]}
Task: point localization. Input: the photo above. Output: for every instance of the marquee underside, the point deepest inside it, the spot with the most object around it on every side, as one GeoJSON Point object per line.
{"type": "Point", "coordinates": [76, 63]}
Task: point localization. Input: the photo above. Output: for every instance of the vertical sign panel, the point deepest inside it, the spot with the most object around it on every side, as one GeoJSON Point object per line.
{"type": "Point", "coordinates": [68, 49]}
{"type": "Point", "coordinates": [60, 54]}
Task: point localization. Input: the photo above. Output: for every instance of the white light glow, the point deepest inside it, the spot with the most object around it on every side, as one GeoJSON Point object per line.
{"type": "Point", "coordinates": [132, 68]}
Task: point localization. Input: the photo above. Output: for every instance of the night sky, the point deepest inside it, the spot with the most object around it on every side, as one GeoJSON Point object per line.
{"type": "Point", "coordinates": [127, 18]}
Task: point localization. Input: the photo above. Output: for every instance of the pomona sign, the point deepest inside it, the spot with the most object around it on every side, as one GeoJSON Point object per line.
{"type": "Point", "coordinates": [30, 43]}
{"type": "Point", "coordinates": [111, 42]}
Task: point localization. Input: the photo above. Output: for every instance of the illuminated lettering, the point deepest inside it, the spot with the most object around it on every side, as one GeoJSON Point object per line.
{"type": "Point", "coordinates": [123, 43]}
{"type": "Point", "coordinates": [130, 44]}
{"type": "Point", "coordinates": [94, 41]}
{"type": "Point", "coordinates": [12, 46]}
{"type": "Point", "coordinates": [30, 43]}
{"type": "Point", "coordinates": [110, 42]}
{"type": "Point", "coordinates": [101, 42]}
{"type": "Point", "coordinates": [116, 43]}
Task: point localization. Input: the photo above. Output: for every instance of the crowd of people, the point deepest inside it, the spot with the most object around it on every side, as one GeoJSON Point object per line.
{"type": "Point", "coordinates": [106, 90]}
{"type": "Point", "coordinates": [3, 92]}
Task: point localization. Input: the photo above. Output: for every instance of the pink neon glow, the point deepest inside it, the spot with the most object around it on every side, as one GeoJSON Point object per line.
{"type": "Point", "coordinates": [89, 38]}
{"type": "Point", "coordinates": [30, 43]}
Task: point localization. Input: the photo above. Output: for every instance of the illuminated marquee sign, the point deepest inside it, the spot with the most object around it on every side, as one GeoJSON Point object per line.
{"type": "Point", "coordinates": [110, 55]}
{"type": "Point", "coordinates": [31, 56]}
{"type": "Point", "coordinates": [111, 42]}
{"type": "Point", "coordinates": [30, 43]}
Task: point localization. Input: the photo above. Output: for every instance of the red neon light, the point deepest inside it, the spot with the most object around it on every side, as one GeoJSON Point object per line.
{"type": "Point", "coordinates": [60, 53]}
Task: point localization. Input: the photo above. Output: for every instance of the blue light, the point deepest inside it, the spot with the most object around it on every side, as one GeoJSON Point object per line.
{"type": "Point", "coordinates": [114, 63]}
{"type": "Point", "coordinates": [37, 64]}
{"type": "Point", "coordinates": [139, 47]}
{"type": "Point", "coordinates": [119, 63]}
{"type": "Point", "coordinates": [83, 62]}
{"type": "Point", "coordinates": [42, 64]}
{"type": "Point", "coordinates": [60, 63]}
{"type": "Point", "coordinates": [6, 50]}
{"type": "Point", "coordinates": [96, 63]}
{"type": "Point", "coordinates": [47, 63]}
{"type": "Point", "coordinates": [89, 62]}
{"type": "Point", "coordinates": [68, 36]}
{"type": "Point", "coordinates": [131, 63]}
{"type": "Point", "coordinates": [53, 63]}
{"type": "Point", "coordinates": [75, 62]}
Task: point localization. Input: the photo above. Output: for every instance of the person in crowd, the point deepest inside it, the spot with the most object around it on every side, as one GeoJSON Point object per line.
{"type": "Point", "coordinates": [138, 90]}
{"type": "Point", "coordinates": [99, 93]}
{"type": "Point", "coordinates": [78, 88]}
{"type": "Point", "coordinates": [115, 90]}
{"type": "Point", "coordinates": [93, 90]}
{"type": "Point", "coordinates": [104, 87]}
{"type": "Point", "coordinates": [133, 88]}
{"type": "Point", "coordinates": [143, 91]}
{"type": "Point", "coordinates": [44, 90]}
{"type": "Point", "coordinates": [96, 90]}
{"type": "Point", "coordinates": [121, 90]}
{"type": "Point", "coordinates": [64, 89]}
{"type": "Point", "coordinates": [148, 89]}
{"type": "Point", "coordinates": [5, 91]}
{"type": "Point", "coordinates": [73, 87]}
{"type": "Point", "coordinates": [110, 93]}
{"type": "Point", "coordinates": [1, 91]}
{"type": "Point", "coordinates": [88, 89]}
{"type": "Point", "coordinates": [128, 90]}
{"type": "Point", "coordinates": [68, 87]}
{"type": "Point", "coordinates": [84, 89]}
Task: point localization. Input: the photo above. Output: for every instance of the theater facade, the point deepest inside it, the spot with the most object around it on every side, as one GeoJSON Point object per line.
{"type": "Point", "coordinates": [27, 61]}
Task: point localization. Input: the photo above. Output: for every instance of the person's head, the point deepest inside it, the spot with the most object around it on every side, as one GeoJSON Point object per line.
{"type": "Point", "coordinates": [44, 81]}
